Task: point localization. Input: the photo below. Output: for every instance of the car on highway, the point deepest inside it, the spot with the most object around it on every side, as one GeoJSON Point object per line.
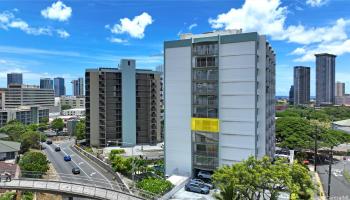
{"type": "Point", "coordinates": [195, 187]}
{"type": "Point", "coordinates": [204, 175]}
{"type": "Point", "coordinates": [76, 170]}
{"type": "Point", "coordinates": [58, 149]}
{"type": "Point", "coordinates": [201, 182]}
{"type": "Point", "coordinates": [48, 142]}
{"type": "Point", "coordinates": [67, 158]}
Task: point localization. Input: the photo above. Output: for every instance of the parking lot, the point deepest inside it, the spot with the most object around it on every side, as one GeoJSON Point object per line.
{"type": "Point", "coordinates": [182, 194]}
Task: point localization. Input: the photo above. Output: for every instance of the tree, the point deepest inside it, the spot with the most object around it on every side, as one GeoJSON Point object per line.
{"type": "Point", "coordinates": [14, 129]}
{"type": "Point", "coordinates": [44, 120]}
{"type": "Point", "coordinates": [30, 139]}
{"type": "Point", "coordinates": [66, 107]}
{"type": "Point", "coordinates": [33, 164]}
{"type": "Point", "coordinates": [57, 124]}
{"type": "Point", "coordinates": [79, 130]}
{"type": "Point", "coordinates": [294, 133]}
{"type": "Point", "coordinates": [261, 179]}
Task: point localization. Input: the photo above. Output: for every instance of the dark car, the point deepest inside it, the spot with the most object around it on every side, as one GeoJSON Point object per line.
{"type": "Point", "coordinates": [58, 149]}
{"type": "Point", "coordinates": [67, 158]}
{"type": "Point", "coordinates": [48, 142]}
{"type": "Point", "coordinates": [76, 170]}
{"type": "Point", "coordinates": [195, 187]}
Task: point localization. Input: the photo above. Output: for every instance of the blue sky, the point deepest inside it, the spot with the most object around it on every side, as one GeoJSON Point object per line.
{"type": "Point", "coordinates": [44, 38]}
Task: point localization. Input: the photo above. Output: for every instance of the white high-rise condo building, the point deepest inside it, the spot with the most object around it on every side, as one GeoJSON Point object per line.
{"type": "Point", "coordinates": [219, 100]}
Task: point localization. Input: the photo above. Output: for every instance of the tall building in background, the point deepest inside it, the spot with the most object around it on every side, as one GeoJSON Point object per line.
{"type": "Point", "coordinates": [340, 89]}
{"type": "Point", "coordinates": [122, 105]}
{"type": "Point", "coordinates": [60, 89]}
{"type": "Point", "coordinates": [301, 85]}
{"type": "Point", "coordinates": [15, 96]}
{"type": "Point", "coordinates": [46, 83]}
{"type": "Point", "coordinates": [291, 95]}
{"type": "Point", "coordinates": [219, 100]}
{"type": "Point", "coordinates": [78, 87]}
{"type": "Point", "coordinates": [14, 78]}
{"type": "Point", "coordinates": [325, 79]}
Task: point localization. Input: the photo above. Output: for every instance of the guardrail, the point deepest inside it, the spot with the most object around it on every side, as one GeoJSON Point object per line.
{"type": "Point", "coordinates": [102, 164]}
{"type": "Point", "coordinates": [65, 187]}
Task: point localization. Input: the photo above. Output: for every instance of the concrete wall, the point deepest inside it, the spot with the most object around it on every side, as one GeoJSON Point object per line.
{"type": "Point", "coordinates": [94, 110]}
{"type": "Point", "coordinates": [128, 101]}
{"type": "Point", "coordinates": [178, 154]}
{"type": "Point", "coordinates": [237, 68]}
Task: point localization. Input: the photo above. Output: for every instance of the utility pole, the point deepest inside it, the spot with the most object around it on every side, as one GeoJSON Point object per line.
{"type": "Point", "coordinates": [330, 173]}
{"type": "Point", "coordinates": [315, 156]}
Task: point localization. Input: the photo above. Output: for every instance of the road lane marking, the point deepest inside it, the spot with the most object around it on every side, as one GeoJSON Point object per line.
{"type": "Point", "coordinates": [93, 168]}
{"type": "Point", "coordinates": [93, 173]}
{"type": "Point", "coordinates": [81, 163]}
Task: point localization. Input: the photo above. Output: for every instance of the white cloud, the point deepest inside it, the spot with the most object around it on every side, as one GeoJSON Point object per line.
{"type": "Point", "coordinates": [190, 27]}
{"type": "Point", "coordinates": [268, 17]}
{"type": "Point", "coordinates": [316, 3]}
{"type": "Point", "coordinates": [57, 11]}
{"type": "Point", "coordinates": [135, 27]}
{"type": "Point", "coordinates": [117, 40]}
{"type": "Point", "coordinates": [34, 51]}
{"type": "Point", "coordinates": [62, 33]}
{"type": "Point", "coordinates": [9, 21]}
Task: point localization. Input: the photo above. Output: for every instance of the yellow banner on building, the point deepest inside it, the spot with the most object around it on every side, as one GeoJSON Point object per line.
{"type": "Point", "coordinates": [205, 124]}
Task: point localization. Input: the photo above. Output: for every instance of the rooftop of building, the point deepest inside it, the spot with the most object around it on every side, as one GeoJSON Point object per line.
{"type": "Point", "coordinates": [24, 87]}
{"type": "Point", "coordinates": [9, 146]}
{"type": "Point", "coordinates": [23, 108]}
{"type": "Point", "coordinates": [119, 68]}
{"type": "Point", "coordinates": [71, 97]}
{"type": "Point", "coordinates": [75, 109]}
{"type": "Point", "coordinates": [325, 54]}
{"type": "Point", "coordinates": [186, 36]}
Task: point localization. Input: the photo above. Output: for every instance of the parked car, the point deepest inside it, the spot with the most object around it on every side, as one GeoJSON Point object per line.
{"type": "Point", "coordinates": [67, 158]}
{"type": "Point", "coordinates": [204, 174]}
{"type": "Point", "coordinates": [49, 142]}
{"type": "Point", "coordinates": [201, 182]}
{"type": "Point", "coordinates": [58, 149]}
{"type": "Point", "coordinates": [195, 187]}
{"type": "Point", "coordinates": [76, 170]}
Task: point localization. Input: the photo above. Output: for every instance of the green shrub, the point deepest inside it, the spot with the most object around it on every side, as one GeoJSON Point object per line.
{"type": "Point", "coordinates": [154, 185]}
{"type": "Point", "coordinates": [8, 196]}
{"type": "Point", "coordinates": [117, 151]}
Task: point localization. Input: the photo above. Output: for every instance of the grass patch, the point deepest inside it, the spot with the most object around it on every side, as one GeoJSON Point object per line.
{"type": "Point", "coordinates": [347, 175]}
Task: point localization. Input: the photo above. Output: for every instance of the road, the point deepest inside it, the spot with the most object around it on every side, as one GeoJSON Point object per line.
{"type": "Point", "coordinates": [340, 188]}
{"type": "Point", "coordinates": [89, 172]}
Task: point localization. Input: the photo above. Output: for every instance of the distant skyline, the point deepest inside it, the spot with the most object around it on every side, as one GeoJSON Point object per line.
{"type": "Point", "coordinates": [47, 39]}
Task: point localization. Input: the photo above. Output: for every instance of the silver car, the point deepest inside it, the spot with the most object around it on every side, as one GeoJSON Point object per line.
{"type": "Point", "coordinates": [195, 187]}
{"type": "Point", "coordinates": [201, 182]}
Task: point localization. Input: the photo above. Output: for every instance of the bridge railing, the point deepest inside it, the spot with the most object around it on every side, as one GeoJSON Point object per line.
{"type": "Point", "coordinates": [79, 180]}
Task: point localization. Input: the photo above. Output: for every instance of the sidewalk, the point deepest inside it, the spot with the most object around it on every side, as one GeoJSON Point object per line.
{"type": "Point", "coordinates": [319, 194]}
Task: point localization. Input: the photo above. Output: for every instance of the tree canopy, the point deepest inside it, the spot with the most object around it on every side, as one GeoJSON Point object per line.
{"type": "Point", "coordinates": [57, 124]}
{"type": "Point", "coordinates": [261, 179]}
{"type": "Point", "coordinates": [33, 162]}
{"type": "Point", "coordinates": [79, 130]}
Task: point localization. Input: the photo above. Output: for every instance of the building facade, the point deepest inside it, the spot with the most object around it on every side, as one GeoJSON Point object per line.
{"type": "Point", "coordinates": [78, 87]}
{"type": "Point", "coordinates": [73, 101]}
{"type": "Point", "coordinates": [46, 83]}
{"type": "Point", "coordinates": [24, 95]}
{"type": "Point", "coordinates": [219, 100]}
{"type": "Point", "coordinates": [74, 112]}
{"type": "Point", "coordinates": [60, 88]}
{"type": "Point", "coordinates": [325, 79]}
{"type": "Point", "coordinates": [291, 95]}
{"type": "Point", "coordinates": [24, 114]}
{"type": "Point", "coordinates": [301, 85]}
{"type": "Point", "coordinates": [339, 89]}
{"type": "Point", "coordinates": [342, 100]}
{"type": "Point", "coordinates": [122, 105]}
{"type": "Point", "coordinates": [14, 78]}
